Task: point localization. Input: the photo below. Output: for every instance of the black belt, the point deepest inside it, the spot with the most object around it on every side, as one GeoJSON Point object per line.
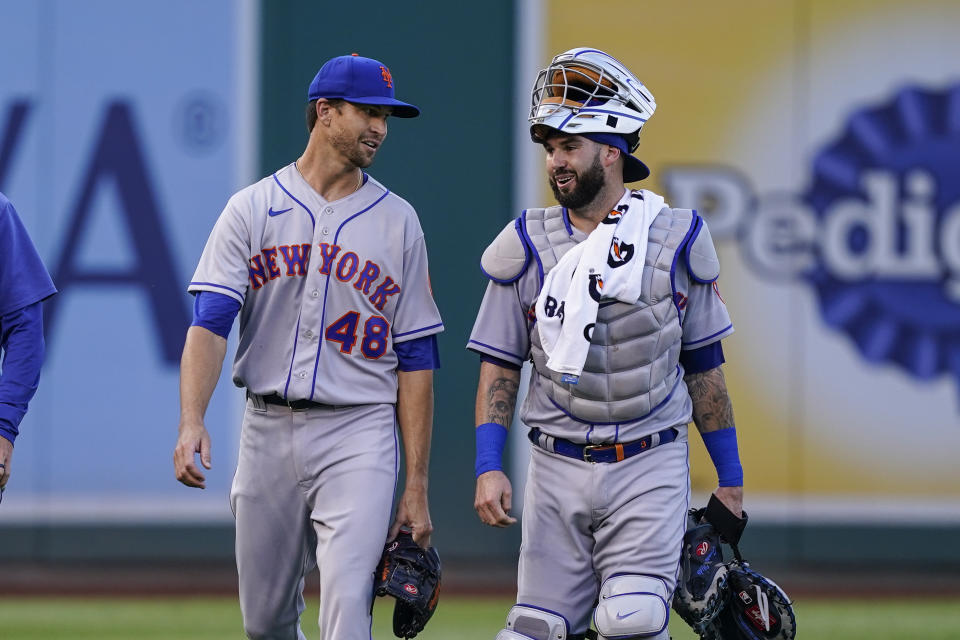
{"type": "Point", "coordinates": [601, 452]}
{"type": "Point", "coordinates": [293, 404]}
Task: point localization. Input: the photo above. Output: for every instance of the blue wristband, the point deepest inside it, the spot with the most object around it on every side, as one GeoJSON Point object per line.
{"type": "Point", "coordinates": [490, 440]}
{"type": "Point", "coordinates": [722, 447]}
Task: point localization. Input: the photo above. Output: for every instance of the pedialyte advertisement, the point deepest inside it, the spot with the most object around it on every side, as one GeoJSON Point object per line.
{"type": "Point", "coordinates": [821, 141]}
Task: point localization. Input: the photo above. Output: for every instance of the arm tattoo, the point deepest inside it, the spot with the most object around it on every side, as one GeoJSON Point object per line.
{"type": "Point", "coordinates": [501, 398]}
{"type": "Point", "coordinates": [712, 409]}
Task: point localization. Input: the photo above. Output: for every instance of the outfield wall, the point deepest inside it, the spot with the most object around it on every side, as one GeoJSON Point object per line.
{"type": "Point", "coordinates": [819, 139]}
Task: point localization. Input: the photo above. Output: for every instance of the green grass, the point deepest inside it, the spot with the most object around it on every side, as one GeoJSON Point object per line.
{"type": "Point", "coordinates": [457, 618]}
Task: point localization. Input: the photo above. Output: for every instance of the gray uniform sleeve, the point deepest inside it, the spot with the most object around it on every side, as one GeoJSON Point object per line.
{"type": "Point", "coordinates": [417, 314]}
{"type": "Point", "coordinates": [704, 314]}
{"type": "Point", "coordinates": [502, 329]}
{"type": "Point", "coordinates": [223, 267]}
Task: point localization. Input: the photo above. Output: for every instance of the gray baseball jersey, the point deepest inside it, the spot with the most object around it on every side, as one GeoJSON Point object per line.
{"type": "Point", "coordinates": [503, 329]}
{"type": "Point", "coordinates": [327, 288]}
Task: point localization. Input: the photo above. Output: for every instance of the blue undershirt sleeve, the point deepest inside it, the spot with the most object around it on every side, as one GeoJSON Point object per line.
{"type": "Point", "coordinates": [21, 338]}
{"type": "Point", "coordinates": [702, 359]}
{"type": "Point", "coordinates": [497, 361]}
{"type": "Point", "coordinates": [215, 312]}
{"type": "Point", "coordinates": [418, 354]}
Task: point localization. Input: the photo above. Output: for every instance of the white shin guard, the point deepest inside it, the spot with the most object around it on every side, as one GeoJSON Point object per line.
{"type": "Point", "coordinates": [632, 606]}
{"type": "Point", "coordinates": [528, 623]}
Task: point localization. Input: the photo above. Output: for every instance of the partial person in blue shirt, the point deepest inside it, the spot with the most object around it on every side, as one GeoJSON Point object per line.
{"type": "Point", "coordinates": [24, 284]}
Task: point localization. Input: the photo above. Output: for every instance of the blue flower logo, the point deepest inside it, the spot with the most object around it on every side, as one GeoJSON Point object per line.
{"type": "Point", "coordinates": [885, 197]}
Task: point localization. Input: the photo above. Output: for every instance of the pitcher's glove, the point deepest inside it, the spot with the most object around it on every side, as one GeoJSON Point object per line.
{"type": "Point", "coordinates": [701, 587]}
{"type": "Point", "coordinates": [757, 609]}
{"type": "Point", "coordinates": [411, 574]}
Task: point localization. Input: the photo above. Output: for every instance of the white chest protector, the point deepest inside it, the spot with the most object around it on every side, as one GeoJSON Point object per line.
{"type": "Point", "coordinates": [632, 363]}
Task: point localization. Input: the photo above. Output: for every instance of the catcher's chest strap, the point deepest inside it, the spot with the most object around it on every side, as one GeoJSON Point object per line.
{"type": "Point", "coordinates": [600, 452]}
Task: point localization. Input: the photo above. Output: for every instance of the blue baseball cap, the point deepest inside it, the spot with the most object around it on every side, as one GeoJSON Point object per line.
{"type": "Point", "coordinates": [633, 168]}
{"type": "Point", "coordinates": [360, 80]}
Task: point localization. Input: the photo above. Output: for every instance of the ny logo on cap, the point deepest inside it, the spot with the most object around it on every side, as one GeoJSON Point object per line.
{"type": "Point", "coordinates": [386, 76]}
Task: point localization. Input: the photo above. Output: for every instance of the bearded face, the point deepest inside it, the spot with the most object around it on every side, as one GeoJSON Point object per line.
{"type": "Point", "coordinates": [576, 189]}
{"type": "Point", "coordinates": [574, 169]}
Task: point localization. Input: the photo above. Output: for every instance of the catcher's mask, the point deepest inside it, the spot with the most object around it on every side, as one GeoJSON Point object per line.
{"type": "Point", "coordinates": [586, 91]}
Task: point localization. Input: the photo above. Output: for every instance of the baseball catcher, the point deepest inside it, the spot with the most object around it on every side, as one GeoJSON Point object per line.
{"type": "Point", "coordinates": [411, 574]}
{"type": "Point", "coordinates": [727, 600]}
{"type": "Point", "coordinates": [612, 295]}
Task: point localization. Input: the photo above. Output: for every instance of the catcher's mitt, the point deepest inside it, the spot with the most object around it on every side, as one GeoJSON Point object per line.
{"type": "Point", "coordinates": [411, 574]}
{"type": "Point", "coordinates": [727, 601]}
{"type": "Point", "coordinates": [701, 587]}
{"type": "Point", "coordinates": [758, 609]}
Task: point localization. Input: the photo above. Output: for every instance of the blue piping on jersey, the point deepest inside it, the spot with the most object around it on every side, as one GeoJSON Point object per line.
{"type": "Point", "coordinates": [621, 422]}
{"type": "Point", "coordinates": [313, 220]}
{"type": "Point", "coordinates": [506, 353]}
{"type": "Point", "coordinates": [729, 326]}
{"type": "Point", "coordinates": [673, 266]}
{"type": "Point", "coordinates": [296, 334]}
{"type": "Point", "coordinates": [406, 333]}
{"type": "Point", "coordinates": [522, 227]}
{"type": "Point", "coordinates": [219, 286]}
{"type": "Point", "coordinates": [326, 287]}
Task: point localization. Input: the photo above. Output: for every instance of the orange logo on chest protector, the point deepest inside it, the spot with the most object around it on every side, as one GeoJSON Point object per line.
{"type": "Point", "coordinates": [386, 76]}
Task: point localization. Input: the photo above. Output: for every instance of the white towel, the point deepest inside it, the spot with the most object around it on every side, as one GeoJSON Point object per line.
{"type": "Point", "coordinates": [609, 263]}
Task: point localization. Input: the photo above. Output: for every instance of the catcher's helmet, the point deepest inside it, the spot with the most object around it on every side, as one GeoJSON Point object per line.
{"type": "Point", "coordinates": [586, 91]}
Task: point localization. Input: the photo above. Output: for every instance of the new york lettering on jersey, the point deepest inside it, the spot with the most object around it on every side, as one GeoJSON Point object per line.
{"type": "Point", "coordinates": [264, 268]}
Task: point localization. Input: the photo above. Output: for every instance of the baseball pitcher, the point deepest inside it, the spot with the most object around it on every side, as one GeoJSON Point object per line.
{"type": "Point", "coordinates": [327, 269]}
{"type": "Point", "coordinates": [612, 295]}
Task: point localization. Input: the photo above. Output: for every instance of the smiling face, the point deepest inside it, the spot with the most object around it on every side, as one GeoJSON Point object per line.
{"type": "Point", "coordinates": [357, 131]}
{"type": "Point", "coordinates": [574, 169]}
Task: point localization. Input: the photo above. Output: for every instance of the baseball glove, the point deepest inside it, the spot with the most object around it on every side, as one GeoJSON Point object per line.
{"type": "Point", "coordinates": [411, 574]}
{"type": "Point", "coordinates": [757, 609]}
{"type": "Point", "coordinates": [727, 600]}
{"type": "Point", "coordinates": [701, 587]}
